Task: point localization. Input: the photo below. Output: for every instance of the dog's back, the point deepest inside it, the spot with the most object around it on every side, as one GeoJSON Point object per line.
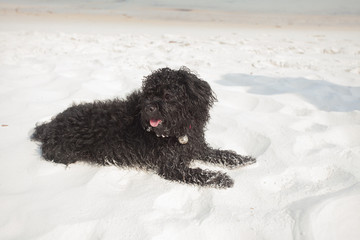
{"type": "Point", "coordinates": [86, 131]}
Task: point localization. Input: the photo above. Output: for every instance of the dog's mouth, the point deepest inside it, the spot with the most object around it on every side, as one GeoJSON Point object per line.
{"type": "Point", "coordinates": [155, 122]}
{"type": "Point", "coordinates": [157, 126]}
{"type": "Point", "coordinates": [162, 131]}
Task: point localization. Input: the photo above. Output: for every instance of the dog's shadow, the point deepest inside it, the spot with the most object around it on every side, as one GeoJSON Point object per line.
{"type": "Point", "coordinates": [324, 95]}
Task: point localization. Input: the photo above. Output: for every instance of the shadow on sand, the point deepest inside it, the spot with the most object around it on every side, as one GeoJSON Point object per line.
{"type": "Point", "coordinates": [324, 95]}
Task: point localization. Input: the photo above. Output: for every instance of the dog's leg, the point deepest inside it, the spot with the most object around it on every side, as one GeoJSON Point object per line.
{"type": "Point", "coordinates": [197, 176]}
{"type": "Point", "coordinates": [226, 158]}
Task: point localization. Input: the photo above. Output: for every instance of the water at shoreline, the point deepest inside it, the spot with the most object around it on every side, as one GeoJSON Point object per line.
{"type": "Point", "coordinates": [256, 13]}
{"type": "Point", "coordinates": [322, 7]}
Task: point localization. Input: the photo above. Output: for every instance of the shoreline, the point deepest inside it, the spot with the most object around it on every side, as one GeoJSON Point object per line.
{"type": "Point", "coordinates": [10, 16]}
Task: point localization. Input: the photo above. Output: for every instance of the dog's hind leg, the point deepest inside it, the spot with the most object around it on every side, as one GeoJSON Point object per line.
{"type": "Point", "coordinates": [197, 176]}
{"type": "Point", "coordinates": [54, 153]}
{"type": "Point", "coordinates": [226, 158]}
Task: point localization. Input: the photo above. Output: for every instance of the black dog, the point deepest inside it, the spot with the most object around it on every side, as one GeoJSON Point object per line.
{"type": "Point", "coordinates": [159, 128]}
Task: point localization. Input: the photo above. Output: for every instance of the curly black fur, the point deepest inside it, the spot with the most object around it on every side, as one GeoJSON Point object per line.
{"type": "Point", "coordinates": [142, 131]}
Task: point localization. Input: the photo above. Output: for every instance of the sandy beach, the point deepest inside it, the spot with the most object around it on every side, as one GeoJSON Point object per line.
{"type": "Point", "coordinates": [143, 17]}
{"type": "Point", "coordinates": [288, 94]}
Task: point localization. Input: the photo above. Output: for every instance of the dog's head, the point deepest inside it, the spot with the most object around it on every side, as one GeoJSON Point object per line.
{"type": "Point", "coordinates": [174, 101]}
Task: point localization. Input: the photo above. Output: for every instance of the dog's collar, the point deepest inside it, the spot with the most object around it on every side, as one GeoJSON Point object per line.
{"type": "Point", "coordinates": [184, 139]}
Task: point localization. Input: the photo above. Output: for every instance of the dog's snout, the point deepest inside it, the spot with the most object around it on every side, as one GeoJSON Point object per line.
{"type": "Point", "coordinates": [150, 108]}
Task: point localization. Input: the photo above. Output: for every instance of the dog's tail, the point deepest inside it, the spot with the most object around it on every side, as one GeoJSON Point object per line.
{"type": "Point", "coordinates": [39, 133]}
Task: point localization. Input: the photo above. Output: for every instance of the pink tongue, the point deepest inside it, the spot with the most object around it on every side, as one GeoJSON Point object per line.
{"type": "Point", "coordinates": [155, 123]}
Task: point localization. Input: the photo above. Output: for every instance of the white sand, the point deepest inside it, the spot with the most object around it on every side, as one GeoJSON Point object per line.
{"type": "Point", "coordinates": [291, 98]}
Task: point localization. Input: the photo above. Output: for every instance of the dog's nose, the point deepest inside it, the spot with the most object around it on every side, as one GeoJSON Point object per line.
{"type": "Point", "coordinates": [150, 108]}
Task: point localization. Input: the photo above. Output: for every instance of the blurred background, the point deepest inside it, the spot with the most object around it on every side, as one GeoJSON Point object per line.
{"type": "Point", "coordinates": [254, 6]}
{"type": "Point", "coordinates": [246, 12]}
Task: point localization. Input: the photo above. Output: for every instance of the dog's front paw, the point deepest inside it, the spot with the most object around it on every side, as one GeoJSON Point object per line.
{"type": "Point", "coordinates": [233, 160]}
{"type": "Point", "coordinates": [247, 160]}
{"type": "Point", "coordinates": [219, 180]}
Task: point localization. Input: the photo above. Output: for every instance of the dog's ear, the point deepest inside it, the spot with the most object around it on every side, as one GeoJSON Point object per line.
{"type": "Point", "coordinates": [201, 97]}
